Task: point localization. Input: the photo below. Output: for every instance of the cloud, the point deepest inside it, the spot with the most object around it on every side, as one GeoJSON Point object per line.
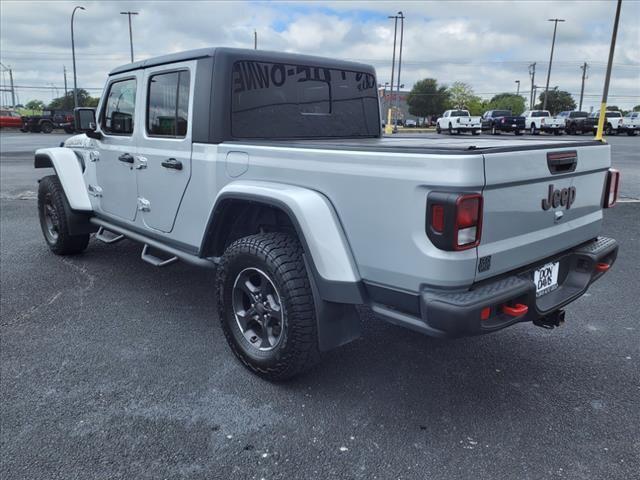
{"type": "Point", "coordinates": [486, 44]}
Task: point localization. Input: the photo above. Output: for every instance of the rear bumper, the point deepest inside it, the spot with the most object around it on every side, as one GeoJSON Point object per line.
{"type": "Point", "coordinates": [468, 128]}
{"type": "Point", "coordinates": [458, 313]}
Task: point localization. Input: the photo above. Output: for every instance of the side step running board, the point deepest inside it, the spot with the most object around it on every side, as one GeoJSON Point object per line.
{"type": "Point", "coordinates": [112, 238]}
{"type": "Point", "coordinates": [152, 243]}
{"type": "Point", "coordinates": [155, 261]}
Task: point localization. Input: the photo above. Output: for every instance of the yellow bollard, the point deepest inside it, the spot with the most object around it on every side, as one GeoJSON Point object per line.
{"type": "Point", "coordinates": [388, 128]}
{"type": "Point", "coordinates": [601, 119]}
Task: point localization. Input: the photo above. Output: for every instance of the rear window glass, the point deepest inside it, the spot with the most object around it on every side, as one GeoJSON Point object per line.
{"type": "Point", "coordinates": [613, 115]}
{"type": "Point", "coordinates": [459, 113]}
{"type": "Point", "coordinates": [540, 114]}
{"type": "Point", "coordinates": [502, 113]}
{"type": "Point", "coordinates": [277, 100]}
{"type": "Point", "coordinates": [579, 114]}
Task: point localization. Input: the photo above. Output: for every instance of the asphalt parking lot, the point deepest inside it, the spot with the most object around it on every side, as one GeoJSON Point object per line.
{"type": "Point", "coordinates": [112, 369]}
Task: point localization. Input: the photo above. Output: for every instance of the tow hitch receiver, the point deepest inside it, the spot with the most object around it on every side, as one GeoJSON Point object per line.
{"type": "Point", "coordinates": [551, 321]}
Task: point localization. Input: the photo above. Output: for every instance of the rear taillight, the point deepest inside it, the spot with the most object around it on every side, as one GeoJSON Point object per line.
{"type": "Point", "coordinates": [454, 221]}
{"type": "Point", "coordinates": [612, 184]}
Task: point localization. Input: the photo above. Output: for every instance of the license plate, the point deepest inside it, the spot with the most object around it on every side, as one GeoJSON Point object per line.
{"type": "Point", "coordinates": [514, 125]}
{"type": "Point", "coordinates": [546, 278]}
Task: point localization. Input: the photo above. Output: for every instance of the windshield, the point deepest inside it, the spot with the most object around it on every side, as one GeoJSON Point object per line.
{"type": "Point", "coordinates": [277, 100]}
{"type": "Point", "coordinates": [540, 113]}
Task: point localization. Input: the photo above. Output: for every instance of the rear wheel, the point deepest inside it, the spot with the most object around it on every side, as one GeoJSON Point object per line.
{"type": "Point", "coordinates": [518, 132]}
{"type": "Point", "coordinates": [608, 129]}
{"type": "Point", "coordinates": [533, 130]}
{"type": "Point", "coordinates": [53, 219]}
{"type": "Point", "coordinates": [265, 305]}
{"type": "Point", "coordinates": [450, 129]}
{"type": "Point", "coordinates": [46, 127]}
{"type": "Point", "coordinates": [438, 129]}
{"type": "Point", "coordinates": [631, 133]}
{"type": "Point", "coordinates": [494, 130]}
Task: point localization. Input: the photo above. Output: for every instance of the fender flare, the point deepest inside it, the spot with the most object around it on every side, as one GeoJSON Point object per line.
{"type": "Point", "coordinates": [335, 281]}
{"type": "Point", "coordinates": [68, 169]}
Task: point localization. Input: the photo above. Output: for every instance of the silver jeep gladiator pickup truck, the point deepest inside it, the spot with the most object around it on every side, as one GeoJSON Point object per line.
{"type": "Point", "coordinates": [271, 168]}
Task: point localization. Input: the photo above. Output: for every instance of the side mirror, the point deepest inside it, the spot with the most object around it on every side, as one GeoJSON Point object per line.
{"type": "Point", "coordinates": [85, 122]}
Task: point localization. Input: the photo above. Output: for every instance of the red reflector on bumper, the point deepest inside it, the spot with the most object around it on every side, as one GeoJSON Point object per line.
{"type": "Point", "coordinates": [485, 313]}
{"type": "Point", "coordinates": [602, 267]}
{"type": "Point", "coordinates": [516, 311]}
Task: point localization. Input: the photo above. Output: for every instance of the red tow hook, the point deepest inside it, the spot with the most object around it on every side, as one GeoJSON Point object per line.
{"type": "Point", "coordinates": [602, 267]}
{"type": "Point", "coordinates": [516, 311]}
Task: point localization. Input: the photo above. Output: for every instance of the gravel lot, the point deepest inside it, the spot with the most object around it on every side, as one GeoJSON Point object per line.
{"type": "Point", "coordinates": [113, 369]}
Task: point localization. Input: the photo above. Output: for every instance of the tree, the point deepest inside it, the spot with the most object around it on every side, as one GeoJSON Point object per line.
{"type": "Point", "coordinates": [477, 106]}
{"type": "Point", "coordinates": [66, 101]}
{"type": "Point", "coordinates": [461, 95]}
{"type": "Point", "coordinates": [37, 105]}
{"type": "Point", "coordinates": [427, 98]}
{"type": "Point", "coordinates": [636, 108]}
{"type": "Point", "coordinates": [612, 108]}
{"type": "Point", "coordinates": [559, 101]}
{"type": "Point", "coordinates": [507, 101]}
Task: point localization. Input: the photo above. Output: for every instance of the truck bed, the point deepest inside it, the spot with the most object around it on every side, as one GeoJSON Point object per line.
{"type": "Point", "coordinates": [430, 145]}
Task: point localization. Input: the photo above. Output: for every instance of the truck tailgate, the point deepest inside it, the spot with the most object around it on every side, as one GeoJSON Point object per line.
{"type": "Point", "coordinates": [517, 230]}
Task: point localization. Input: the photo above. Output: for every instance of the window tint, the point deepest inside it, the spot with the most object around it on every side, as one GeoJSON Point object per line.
{"type": "Point", "coordinates": [579, 114]}
{"type": "Point", "coordinates": [541, 113]}
{"type": "Point", "coordinates": [613, 115]}
{"type": "Point", "coordinates": [459, 113]}
{"type": "Point", "coordinates": [119, 111]}
{"type": "Point", "coordinates": [276, 100]}
{"type": "Point", "coordinates": [168, 104]}
{"type": "Point", "coordinates": [502, 113]}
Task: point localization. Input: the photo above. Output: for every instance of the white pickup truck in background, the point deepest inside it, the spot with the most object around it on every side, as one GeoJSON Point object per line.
{"type": "Point", "coordinates": [457, 121]}
{"type": "Point", "coordinates": [541, 121]}
{"type": "Point", "coordinates": [630, 123]}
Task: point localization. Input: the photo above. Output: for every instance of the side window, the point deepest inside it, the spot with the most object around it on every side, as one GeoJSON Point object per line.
{"type": "Point", "coordinates": [119, 111]}
{"type": "Point", "coordinates": [168, 104]}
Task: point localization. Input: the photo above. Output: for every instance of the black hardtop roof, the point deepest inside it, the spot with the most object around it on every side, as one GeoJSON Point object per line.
{"type": "Point", "coordinates": [242, 54]}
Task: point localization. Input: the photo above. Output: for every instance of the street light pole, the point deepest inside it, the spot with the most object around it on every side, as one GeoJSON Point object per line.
{"type": "Point", "coordinates": [130, 32]}
{"type": "Point", "coordinates": [518, 89]}
{"type": "Point", "coordinates": [605, 92]}
{"type": "Point", "coordinates": [388, 127]}
{"type": "Point", "coordinates": [73, 55]}
{"type": "Point", "coordinates": [395, 125]}
{"type": "Point", "coordinates": [553, 43]}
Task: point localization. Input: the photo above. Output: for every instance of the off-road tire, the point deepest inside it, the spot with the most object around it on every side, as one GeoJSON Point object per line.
{"type": "Point", "coordinates": [46, 127]}
{"type": "Point", "coordinates": [280, 257]}
{"type": "Point", "coordinates": [51, 196]}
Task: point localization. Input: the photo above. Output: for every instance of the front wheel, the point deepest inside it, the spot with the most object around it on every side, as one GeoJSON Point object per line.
{"type": "Point", "coordinates": [53, 219]}
{"type": "Point", "coordinates": [266, 307]}
{"type": "Point", "coordinates": [533, 130]}
{"type": "Point", "coordinates": [450, 129]}
{"type": "Point", "coordinates": [494, 130]}
{"type": "Point", "coordinates": [438, 129]}
{"type": "Point", "coordinates": [631, 133]}
{"type": "Point", "coordinates": [46, 127]}
{"type": "Point", "coordinates": [608, 129]}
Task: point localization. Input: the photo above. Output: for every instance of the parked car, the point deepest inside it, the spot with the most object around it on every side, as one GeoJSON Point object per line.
{"type": "Point", "coordinates": [612, 123]}
{"type": "Point", "coordinates": [630, 123]}
{"type": "Point", "coordinates": [10, 119]}
{"type": "Point", "coordinates": [574, 121]}
{"type": "Point", "coordinates": [541, 121]}
{"type": "Point", "coordinates": [48, 121]}
{"type": "Point", "coordinates": [410, 123]}
{"type": "Point", "coordinates": [497, 121]}
{"type": "Point", "coordinates": [289, 191]}
{"type": "Point", "coordinates": [458, 121]}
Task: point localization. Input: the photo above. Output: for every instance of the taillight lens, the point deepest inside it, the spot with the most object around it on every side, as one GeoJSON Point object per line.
{"type": "Point", "coordinates": [468, 221]}
{"type": "Point", "coordinates": [454, 220]}
{"type": "Point", "coordinates": [611, 188]}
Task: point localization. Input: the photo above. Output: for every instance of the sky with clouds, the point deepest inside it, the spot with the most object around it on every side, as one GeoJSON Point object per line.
{"type": "Point", "coordinates": [488, 44]}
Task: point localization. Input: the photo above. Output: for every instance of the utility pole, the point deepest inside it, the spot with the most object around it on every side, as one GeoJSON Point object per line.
{"type": "Point", "coordinates": [584, 77]}
{"type": "Point", "coordinates": [605, 92]}
{"type": "Point", "coordinates": [388, 128]}
{"type": "Point", "coordinates": [130, 32]}
{"type": "Point", "coordinates": [73, 55]}
{"type": "Point", "coordinates": [13, 90]}
{"type": "Point", "coordinates": [532, 74]}
{"type": "Point", "coordinates": [395, 126]}
{"type": "Point", "coordinates": [553, 43]}
{"type": "Point", "coordinates": [255, 39]}
{"type": "Point", "coordinates": [518, 89]}
{"type": "Point", "coordinates": [64, 70]}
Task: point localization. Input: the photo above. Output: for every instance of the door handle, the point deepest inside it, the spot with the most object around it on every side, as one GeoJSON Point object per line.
{"type": "Point", "coordinates": [172, 163]}
{"type": "Point", "coordinates": [126, 158]}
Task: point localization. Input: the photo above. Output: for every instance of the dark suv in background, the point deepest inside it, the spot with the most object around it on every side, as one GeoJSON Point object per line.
{"type": "Point", "coordinates": [48, 121]}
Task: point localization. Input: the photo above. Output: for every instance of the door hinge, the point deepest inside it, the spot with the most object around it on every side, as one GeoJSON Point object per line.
{"type": "Point", "coordinates": [95, 190]}
{"type": "Point", "coordinates": [142, 163]}
{"type": "Point", "coordinates": [143, 204]}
